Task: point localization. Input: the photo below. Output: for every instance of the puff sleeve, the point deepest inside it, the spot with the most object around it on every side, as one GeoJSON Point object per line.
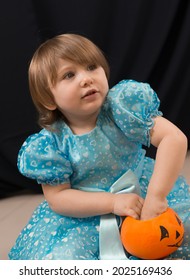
{"type": "Point", "coordinates": [39, 158]}
{"type": "Point", "coordinates": [133, 105]}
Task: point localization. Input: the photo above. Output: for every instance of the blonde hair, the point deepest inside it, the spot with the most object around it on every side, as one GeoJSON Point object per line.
{"type": "Point", "coordinates": [44, 66]}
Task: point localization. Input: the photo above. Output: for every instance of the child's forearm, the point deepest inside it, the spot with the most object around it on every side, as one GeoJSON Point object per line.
{"type": "Point", "coordinates": [76, 203]}
{"type": "Point", "coordinates": [170, 158]}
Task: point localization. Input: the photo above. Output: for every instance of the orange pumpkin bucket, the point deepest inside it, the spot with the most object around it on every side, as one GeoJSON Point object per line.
{"type": "Point", "coordinates": [155, 238]}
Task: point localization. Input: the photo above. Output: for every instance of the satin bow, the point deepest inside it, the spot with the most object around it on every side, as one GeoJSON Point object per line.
{"type": "Point", "coordinates": [111, 247]}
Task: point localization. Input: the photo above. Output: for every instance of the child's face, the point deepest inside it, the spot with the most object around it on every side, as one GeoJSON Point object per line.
{"type": "Point", "coordinates": [80, 90]}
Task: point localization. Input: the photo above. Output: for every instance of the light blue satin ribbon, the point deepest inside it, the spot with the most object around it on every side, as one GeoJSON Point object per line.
{"type": "Point", "coordinates": [111, 247]}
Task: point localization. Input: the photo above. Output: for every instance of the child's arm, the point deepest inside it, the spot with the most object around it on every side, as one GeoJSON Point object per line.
{"type": "Point", "coordinates": [171, 146]}
{"type": "Point", "coordinates": [75, 203]}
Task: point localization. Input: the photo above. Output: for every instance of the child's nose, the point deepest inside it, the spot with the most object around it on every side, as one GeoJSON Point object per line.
{"type": "Point", "coordinates": [86, 80]}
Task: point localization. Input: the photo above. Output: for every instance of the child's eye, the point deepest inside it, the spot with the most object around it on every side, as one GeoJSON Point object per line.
{"type": "Point", "coordinates": [68, 75]}
{"type": "Point", "coordinates": [91, 67]}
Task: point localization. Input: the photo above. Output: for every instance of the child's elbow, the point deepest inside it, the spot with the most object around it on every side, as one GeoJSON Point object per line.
{"type": "Point", "coordinates": [182, 140]}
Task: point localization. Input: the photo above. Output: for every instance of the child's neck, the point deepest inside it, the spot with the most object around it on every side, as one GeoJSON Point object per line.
{"type": "Point", "coordinates": [82, 126]}
{"type": "Point", "coordinates": [81, 130]}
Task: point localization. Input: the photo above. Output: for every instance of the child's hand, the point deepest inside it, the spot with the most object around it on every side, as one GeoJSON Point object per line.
{"type": "Point", "coordinates": [128, 205]}
{"type": "Point", "coordinates": [153, 206]}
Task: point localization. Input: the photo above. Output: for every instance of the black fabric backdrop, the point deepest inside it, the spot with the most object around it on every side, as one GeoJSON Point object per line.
{"type": "Point", "coordinates": [145, 40]}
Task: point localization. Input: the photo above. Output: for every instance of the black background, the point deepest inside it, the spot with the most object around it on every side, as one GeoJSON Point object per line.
{"type": "Point", "coordinates": [145, 40]}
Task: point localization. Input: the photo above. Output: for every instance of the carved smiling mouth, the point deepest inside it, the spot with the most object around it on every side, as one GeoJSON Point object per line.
{"type": "Point", "coordinates": [89, 92]}
{"type": "Point", "coordinates": [178, 244]}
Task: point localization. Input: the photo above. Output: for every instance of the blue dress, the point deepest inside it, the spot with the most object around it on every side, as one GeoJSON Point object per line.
{"type": "Point", "coordinates": [92, 161]}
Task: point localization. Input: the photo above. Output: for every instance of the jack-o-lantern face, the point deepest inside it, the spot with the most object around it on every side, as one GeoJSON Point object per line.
{"type": "Point", "coordinates": [155, 238]}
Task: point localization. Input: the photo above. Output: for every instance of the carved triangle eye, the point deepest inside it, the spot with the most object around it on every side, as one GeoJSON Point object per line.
{"type": "Point", "coordinates": [164, 233]}
{"type": "Point", "coordinates": [177, 234]}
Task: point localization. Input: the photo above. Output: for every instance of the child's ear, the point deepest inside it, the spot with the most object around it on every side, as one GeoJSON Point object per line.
{"type": "Point", "coordinates": [51, 107]}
